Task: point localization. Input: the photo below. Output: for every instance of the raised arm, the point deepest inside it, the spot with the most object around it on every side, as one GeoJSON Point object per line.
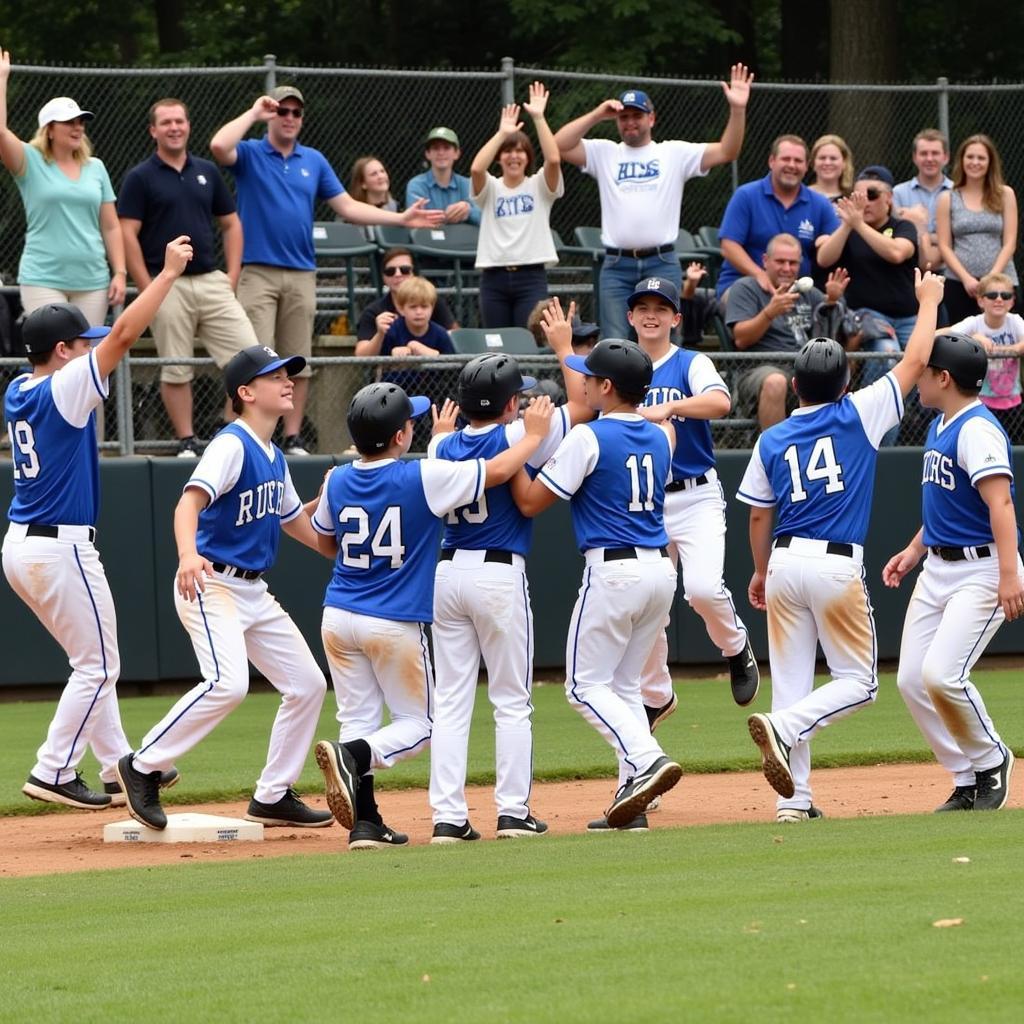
{"type": "Point", "coordinates": [12, 150]}
{"type": "Point", "coordinates": [908, 370]}
{"type": "Point", "coordinates": [737, 95]}
{"type": "Point", "coordinates": [557, 328]}
{"type": "Point", "coordinates": [549, 148]}
{"type": "Point", "coordinates": [570, 136]}
{"type": "Point", "coordinates": [355, 212]}
{"type": "Point", "coordinates": [536, 420]}
{"type": "Point", "coordinates": [508, 125]}
{"type": "Point", "coordinates": [224, 143]}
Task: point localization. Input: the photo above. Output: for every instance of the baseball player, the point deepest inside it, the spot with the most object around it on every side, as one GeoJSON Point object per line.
{"type": "Point", "coordinates": [48, 553]}
{"type": "Point", "coordinates": [687, 391]}
{"type": "Point", "coordinates": [816, 471]}
{"type": "Point", "coordinates": [380, 518]}
{"type": "Point", "coordinates": [227, 526]}
{"type": "Point", "coordinates": [613, 472]}
{"type": "Point", "coordinates": [482, 599]}
{"type": "Point", "coordinates": [972, 578]}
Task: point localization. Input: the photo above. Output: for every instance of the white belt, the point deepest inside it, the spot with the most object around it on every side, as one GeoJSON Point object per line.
{"type": "Point", "coordinates": [70, 534]}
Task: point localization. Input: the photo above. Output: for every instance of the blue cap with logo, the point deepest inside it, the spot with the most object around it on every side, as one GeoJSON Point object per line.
{"type": "Point", "coordinates": [659, 286]}
{"type": "Point", "coordinates": [638, 99]}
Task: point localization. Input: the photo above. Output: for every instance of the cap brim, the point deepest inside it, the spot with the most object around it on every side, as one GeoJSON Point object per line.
{"type": "Point", "coordinates": [579, 364]}
{"type": "Point", "coordinates": [420, 405]}
{"type": "Point", "coordinates": [529, 383]}
{"type": "Point", "coordinates": [636, 296]}
{"type": "Point", "coordinates": [95, 333]}
{"type": "Point", "coordinates": [292, 364]}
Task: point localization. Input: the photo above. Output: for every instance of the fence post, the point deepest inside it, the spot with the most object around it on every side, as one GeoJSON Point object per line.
{"type": "Point", "coordinates": [734, 169]}
{"type": "Point", "coordinates": [124, 404]}
{"type": "Point", "coordinates": [269, 72]}
{"type": "Point", "coordinates": [943, 84]}
{"type": "Point", "coordinates": [508, 83]}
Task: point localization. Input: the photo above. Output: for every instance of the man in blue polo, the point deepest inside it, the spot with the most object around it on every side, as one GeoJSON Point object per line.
{"type": "Point", "coordinates": [778, 203]}
{"type": "Point", "coordinates": [174, 193]}
{"type": "Point", "coordinates": [279, 182]}
{"type": "Point", "coordinates": [440, 185]}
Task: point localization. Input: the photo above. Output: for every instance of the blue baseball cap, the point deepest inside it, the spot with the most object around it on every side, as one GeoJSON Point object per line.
{"type": "Point", "coordinates": [54, 322]}
{"type": "Point", "coordinates": [877, 172]}
{"type": "Point", "coordinates": [638, 99]}
{"type": "Point", "coordinates": [255, 361]}
{"type": "Point", "coordinates": [659, 286]}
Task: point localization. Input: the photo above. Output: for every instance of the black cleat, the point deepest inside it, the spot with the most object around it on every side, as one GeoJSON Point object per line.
{"type": "Point", "coordinates": [341, 778]}
{"type": "Point", "coordinates": [655, 716]}
{"type": "Point", "coordinates": [288, 812]}
{"type": "Point", "coordinates": [142, 793]}
{"type": "Point", "coordinates": [744, 677]}
{"type": "Point", "coordinates": [636, 793]}
{"type": "Point", "coordinates": [113, 789]}
{"type": "Point", "coordinates": [961, 799]}
{"type": "Point", "coordinates": [514, 828]}
{"type": "Point", "coordinates": [601, 826]}
{"type": "Point", "coordinates": [368, 835]}
{"type": "Point", "coordinates": [71, 794]}
{"type": "Point", "coordinates": [994, 785]}
{"type": "Point", "coordinates": [447, 833]}
{"type": "Point", "coordinates": [774, 755]}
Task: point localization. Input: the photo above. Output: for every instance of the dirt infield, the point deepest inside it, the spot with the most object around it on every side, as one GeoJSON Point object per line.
{"type": "Point", "coordinates": [59, 843]}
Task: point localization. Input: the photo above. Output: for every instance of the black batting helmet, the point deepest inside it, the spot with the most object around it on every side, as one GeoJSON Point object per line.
{"type": "Point", "coordinates": [378, 412]}
{"type": "Point", "coordinates": [821, 371]}
{"type": "Point", "coordinates": [622, 362]}
{"type": "Point", "coordinates": [488, 382]}
{"type": "Point", "coordinates": [962, 357]}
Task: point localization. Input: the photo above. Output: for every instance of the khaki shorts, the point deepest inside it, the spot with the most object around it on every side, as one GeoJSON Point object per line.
{"type": "Point", "coordinates": [748, 390]}
{"type": "Point", "coordinates": [203, 307]}
{"type": "Point", "coordinates": [281, 305]}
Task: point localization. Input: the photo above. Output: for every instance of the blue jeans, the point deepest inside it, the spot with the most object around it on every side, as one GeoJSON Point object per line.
{"type": "Point", "coordinates": [507, 297]}
{"type": "Point", "coordinates": [619, 278]}
{"type": "Point", "coordinates": [903, 326]}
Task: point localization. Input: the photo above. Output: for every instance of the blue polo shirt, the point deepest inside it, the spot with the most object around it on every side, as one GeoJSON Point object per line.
{"type": "Point", "coordinates": [169, 203]}
{"type": "Point", "coordinates": [440, 197]}
{"type": "Point", "coordinates": [276, 196]}
{"type": "Point", "coordinates": [755, 216]}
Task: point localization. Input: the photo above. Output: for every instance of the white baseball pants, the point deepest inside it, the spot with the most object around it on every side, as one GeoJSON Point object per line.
{"type": "Point", "coordinates": [481, 608]}
{"type": "Point", "coordinates": [232, 622]}
{"type": "Point", "coordinates": [62, 580]}
{"type": "Point", "coordinates": [952, 616]}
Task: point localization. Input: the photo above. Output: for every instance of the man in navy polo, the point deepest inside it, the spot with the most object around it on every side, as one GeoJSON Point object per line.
{"type": "Point", "coordinates": [778, 203]}
{"type": "Point", "coordinates": [279, 182]}
{"type": "Point", "coordinates": [174, 193]}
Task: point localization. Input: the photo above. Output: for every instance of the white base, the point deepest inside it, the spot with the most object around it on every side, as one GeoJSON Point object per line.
{"type": "Point", "coordinates": [186, 828]}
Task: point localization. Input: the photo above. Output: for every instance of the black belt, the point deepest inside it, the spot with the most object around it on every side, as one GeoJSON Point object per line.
{"type": "Point", "coordinates": [640, 254]}
{"type": "Point", "coordinates": [831, 548]}
{"type": "Point", "coordinates": [505, 557]}
{"type": "Point", "coordinates": [520, 266]}
{"type": "Point", "coordinates": [615, 554]}
{"type": "Point", "coordinates": [39, 530]}
{"type": "Point", "coordinates": [960, 554]}
{"type": "Point", "coordinates": [679, 485]}
{"type": "Point", "coordinates": [234, 571]}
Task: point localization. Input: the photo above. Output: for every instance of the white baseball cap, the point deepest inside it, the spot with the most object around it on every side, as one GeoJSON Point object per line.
{"type": "Point", "coordinates": [62, 108]}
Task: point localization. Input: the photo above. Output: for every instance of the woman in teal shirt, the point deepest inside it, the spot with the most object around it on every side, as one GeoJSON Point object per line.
{"type": "Point", "coordinates": [73, 250]}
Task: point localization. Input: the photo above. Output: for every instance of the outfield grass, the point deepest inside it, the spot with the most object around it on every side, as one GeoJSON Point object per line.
{"type": "Point", "coordinates": [831, 921]}
{"type": "Point", "coordinates": [707, 734]}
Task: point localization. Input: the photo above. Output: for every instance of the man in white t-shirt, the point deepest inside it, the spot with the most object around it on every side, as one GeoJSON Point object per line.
{"type": "Point", "coordinates": [641, 187]}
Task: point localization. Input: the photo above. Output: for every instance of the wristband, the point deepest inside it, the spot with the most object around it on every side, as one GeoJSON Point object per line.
{"type": "Point", "coordinates": [123, 273]}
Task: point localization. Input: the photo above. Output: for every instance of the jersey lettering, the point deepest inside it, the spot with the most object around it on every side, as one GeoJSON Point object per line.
{"type": "Point", "coordinates": [511, 206]}
{"type": "Point", "coordinates": [938, 469]}
{"type": "Point", "coordinates": [268, 498]}
{"type": "Point", "coordinates": [386, 542]}
{"type": "Point", "coordinates": [822, 465]}
{"type": "Point", "coordinates": [638, 170]}
{"type": "Point", "coordinates": [638, 503]}
{"type": "Point", "coordinates": [474, 513]}
{"type": "Point", "coordinates": [23, 442]}
{"type": "Point", "coordinates": [659, 395]}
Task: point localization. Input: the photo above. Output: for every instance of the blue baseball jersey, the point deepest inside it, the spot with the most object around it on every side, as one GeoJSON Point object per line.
{"type": "Point", "coordinates": [957, 455]}
{"type": "Point", "coordinates": [51, 424]}
{"type": "Point", "coordinates": [683, 374]}
{"type": "Point", "coordinates": [250, 493]}
{"type": "Point", "coordinates": [613, 473]}
{"type": "Point", "coordinates": [493, 522]}
{"type": "Point", "coordinates": [818, 467]}
{"type": "Point", "coordinates": [385, 516]}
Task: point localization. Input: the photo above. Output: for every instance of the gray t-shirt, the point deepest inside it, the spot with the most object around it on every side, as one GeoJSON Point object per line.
{"type": "Point", "coordinates": [786, 333]}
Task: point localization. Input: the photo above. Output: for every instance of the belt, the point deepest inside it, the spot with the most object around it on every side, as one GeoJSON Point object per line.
{"type": "Point", "coordinates": [640, 254]}
{"type": "Point", "coordinates": [40, 530]}
{"type": "Point", "coordinates": [505, 557]}
{"type": "Point", "coordinates": [520, 266]}
{"type": "Point", "coordinates": [831, 548]}
{"type": "Point", "coordinates": [240, 574]}
{"type": "Point", "coordinates": [616, 554]}
{"type": "Point", "coordinates": [685, 485]}
{"type": "Point", "coordinates": [961, 554]}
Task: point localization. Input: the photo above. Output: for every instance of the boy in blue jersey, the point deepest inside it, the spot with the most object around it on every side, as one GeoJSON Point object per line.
{"type": "Point", "coordinates": [814, 475]}
{"type": "Point", "coordinates": [227, 526]}
{"type": "Point", "coordinates": [613, 472]}
{"type": "Point", "coordinates": [48, 553]}
{"type": "Point", "coordinates": [482, 599]}
{"type": "Point", "coordinates": [972, 578]}
{"type": "Point", "coordinates": [687, 391]}
{"type": "Point", "coordinates": [381, 518]}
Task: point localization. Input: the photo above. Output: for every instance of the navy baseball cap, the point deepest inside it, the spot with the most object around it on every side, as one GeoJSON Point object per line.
{"type": "Point", "coordinates": [637, 99]}
{"type": "Point", "coordinates": [256, 361]}
{"type": "Point", "coordinates": [876, 172]}
{"type": "Point", "coordinates": [583, 332]}
{"type": "Point", "coordinates": [54, 322]}
{"type": "Point", "coordinates": [659, 286]}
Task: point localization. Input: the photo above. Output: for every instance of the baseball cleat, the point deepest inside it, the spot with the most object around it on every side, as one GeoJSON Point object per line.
{"type": "Point", "coordinates": [961, 799]}
{"type": "Point", "coordinates": [341, 779]}
{"type": "Point", "coordinates": [142, 793]}
{"type": "Point", "coordinates": [792, 815]}
{"type": "Point", "coordinates": [655, 716]}
{"type": "Point", "coordinates": [451, 834]}
{"type": "Point", "coordinates": [634, 796]}
{"type": "Point", "coordinates": [513, 828]}
{"type": "Point", "coordinates": [654, 805]}
{"type": "Point", "coordinates": [368, 835]}
{"type": "Point", "coordinates": [774, 755]}
{"type": "Point", "coordinates": [744, 676]}
{"type": "Point", "coordinates": [288, 812]}
{"type": "Point", "coordinates": [994, 785]}
{"type": "Point", "coordinates": [168, 778]}
{"type": "Point", "coordinates": [601, 826]}
{"type": "Point", "coordinates": [71, 794]}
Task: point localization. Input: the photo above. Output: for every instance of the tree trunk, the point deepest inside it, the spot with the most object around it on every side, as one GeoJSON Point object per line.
{"type": "Point", "coordinates": [171, 36]}
{"type": "Point", "coordinates": [805, 37]}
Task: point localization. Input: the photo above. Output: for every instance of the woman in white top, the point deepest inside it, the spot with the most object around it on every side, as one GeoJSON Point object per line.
{"type": "Point", "coordinates": [515, 234]}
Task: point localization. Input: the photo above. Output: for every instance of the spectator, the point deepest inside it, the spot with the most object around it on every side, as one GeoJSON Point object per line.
{"type": "Point", "coordinates": [412, 332]}
{"type": "Point", "coordinates": [73, 247]}
{"type": "Point", "coordinates": [396, 267]}
{"type": "Point", "coordinates": [777, 203]}
{"type": "Point", "coordinates": [278, 182]}
{"type": "Point", "coordinates": [515, 234]}
{"type": "Point", "coordinates": [778, 319]}
{"type": "Point", "coordinates": [174, 193]}
{"type": "Point", "coordinates": [976, 223]}
{"type": "Point", "coordinates": [369, 183]}
{"type": "Point", "coordinates": [832, 166]}
{"type": "Point", "coordinates": [915, 200]}
{"type": "Point", "coordinates": [641, 188]}
{"type": "Point", "coordinates": [440, 186]}
{"type": "Point", "coordinates": [696, 305]}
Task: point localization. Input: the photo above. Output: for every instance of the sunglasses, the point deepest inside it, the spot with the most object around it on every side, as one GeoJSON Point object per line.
{"type": "Point", "coordinates": [392, 271]}
{"type": "Point", "coordinates": [289, 111]}
{"type": "Point", "coordinates": [873, 193]}
{"type": "Point", "coordinates": [999, 295]}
